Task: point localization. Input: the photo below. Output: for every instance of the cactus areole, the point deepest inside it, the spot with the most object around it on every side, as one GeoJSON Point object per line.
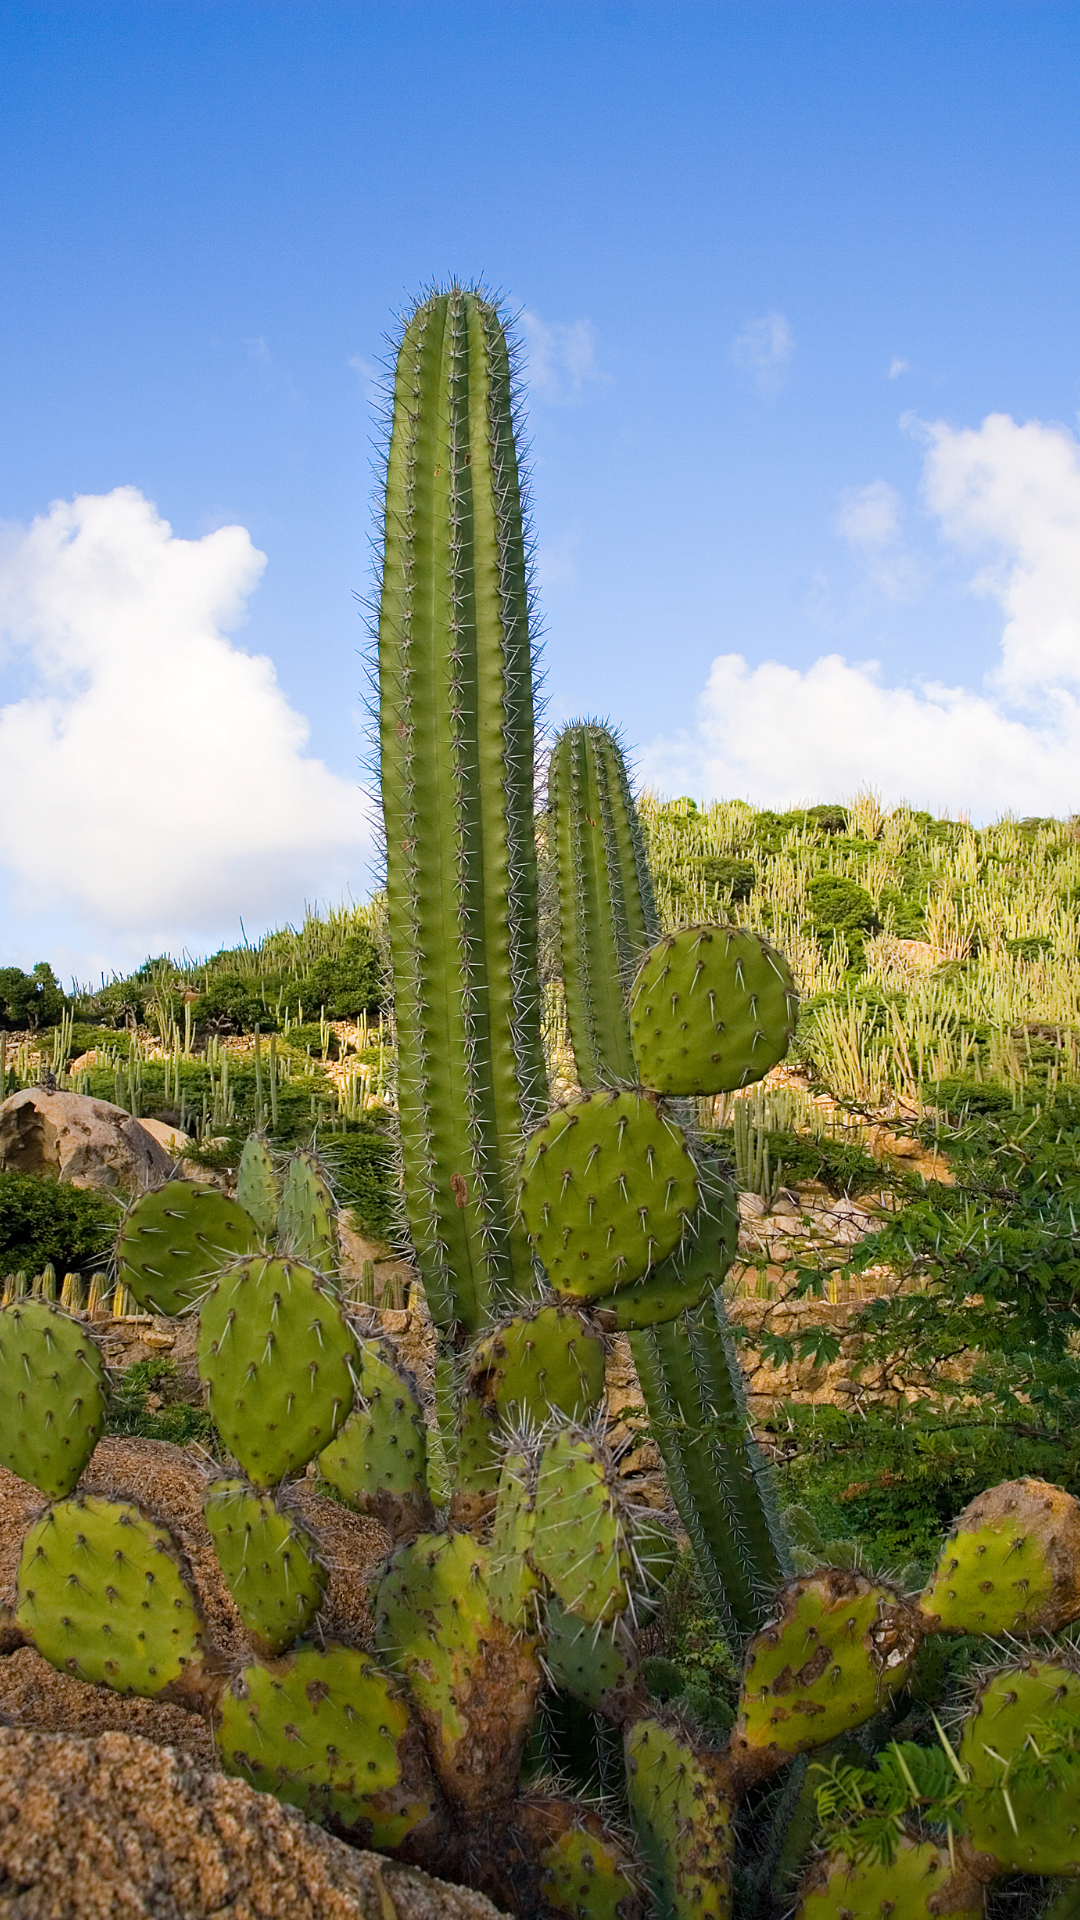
{"type": "Point", "coordinates": [457, 749]}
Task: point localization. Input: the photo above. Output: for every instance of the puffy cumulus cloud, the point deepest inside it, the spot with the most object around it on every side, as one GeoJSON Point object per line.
{"type": "Point", "coordinates": [162, 783]}
{"type": "Point", "coordinates": [1007, 495]}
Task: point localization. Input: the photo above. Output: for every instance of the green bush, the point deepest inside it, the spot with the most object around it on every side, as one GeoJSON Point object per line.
{"type": "Point", "coordinates": [42, 1223]}
{"type": "Point", "coordinates": [843, 904]}
{"type": "Point", "coordinates": [345, 985]}
{"type": "Point", "coordinates": [734, 879]}
{"type": "Point", "coordinates": [361, 1166]}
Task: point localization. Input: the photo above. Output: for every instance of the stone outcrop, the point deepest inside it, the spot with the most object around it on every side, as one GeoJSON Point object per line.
{"type": "Point", "coordinates": [94, 1829]}
{"type": "Point", "coordinates": [80, 1140]}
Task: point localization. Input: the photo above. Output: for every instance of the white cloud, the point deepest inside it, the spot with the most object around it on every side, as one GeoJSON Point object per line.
{"type": "Point", "coordinates": [764, 347]}
{"type": "Point", "coordinates": [897, 367]}
{"type": "Point", "coordinates": [780, 736]}
{"type": "Point", "coordinates": [561, 357]}
{"type": "Point", "coordinates": [157, 779]}
{"type": "Point", "coordinates": [870, 517]}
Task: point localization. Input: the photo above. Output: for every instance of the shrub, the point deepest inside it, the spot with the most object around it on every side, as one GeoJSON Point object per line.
{"type": "Point", "coordinates": [30, 999]}
{"type": "Point", "coordinates": [42, 1223]}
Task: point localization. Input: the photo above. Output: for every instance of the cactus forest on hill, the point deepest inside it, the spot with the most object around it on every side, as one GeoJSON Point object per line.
{"type": "Point", "coordinates": [580, 1065]}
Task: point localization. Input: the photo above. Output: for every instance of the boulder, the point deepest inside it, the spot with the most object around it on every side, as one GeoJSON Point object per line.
{"type": "Point", "coordinates": [174, 1142]}
{"type": "Point", "coordinates": [80, 1140]}
{"type": "Point", "coordinates": [94, 1829]}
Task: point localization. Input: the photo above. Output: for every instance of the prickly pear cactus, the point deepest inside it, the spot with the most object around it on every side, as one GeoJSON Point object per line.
{"type": "Point", "coordinates": [711, 1009]}
{"type": "Point", "coordinates": [513, 1586]}
{"type": "Point", "coordinates": [472, 1680]}
{"type": "Point", "coordinates": [277, 1355]}
{"type": "Point", "coordinates": [918, 1884]}
{"type": "Point", "coordinates": [1010, 1564]}
{"type": "Point", "coordinates": [270, 1561]}
{"type": "Point", "coordinates": [608, 1189]}
{"type": "Point", "coordinates": [582, 1537]}
{"type": "Point", "coordinates": [104, 1593]}
{"type": "Point", "coordinates": [378, 1460]}
{"type": "Point", "coordinates": [533, 1365]}
{"type": "Point", "coordinates": [681, 1807]}
{"type": "Point", "coordinates": [175, 1241]}
{"type": "Point", "coordinates": [306, 1215]}
{"type": "Point", "coordinates": [586, 1663]}
{"type": "Point", "coordinates": [840, 1646]}
{"type": "Point", "coordinates": [584, 1871]}
{"type": "Point", "coordinates": [328, 1731]}
{"type": "Point", "coordinates": [52, 1396]}
{"type": "Point", "coordinates": [1019, 1745]}
{"type": "Point", "coordinates": [257, 1187]}
{"type": "Point", "coordinates": [691, 1274]}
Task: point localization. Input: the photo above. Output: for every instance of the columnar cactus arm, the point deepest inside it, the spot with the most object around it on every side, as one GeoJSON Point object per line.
{"type": "Point", "coordinates": [720, 1483]}
{"type": "Point", "coordinates": [606, 909]}
{"type": "Point", "coordinates": [456, 733]}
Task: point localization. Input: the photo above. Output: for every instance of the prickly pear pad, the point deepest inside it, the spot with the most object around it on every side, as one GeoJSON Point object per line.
{"type": "Point", "coordinates": [583, 1661]}
{"type": "Point", "coordinates": [474, 1682]}
{"type": "Point", "coordinates": [692, 1271]}
{"type": "Point", "coordinates": [680, 1808]}
{"type": "Point", "coordinates": [903, 1889]}
{"type": "Point", "coordinates": [327, 1731]}
{"type": "Point", "coordinates": [512, 1584]}
{"type": "Point", "coordinates": [277, 1354]}
{"type": "Point", "coordinates": [306, 1215]}
{"type": "Point", "coordinates": [257, 1187]}
{"type": "Point", "coordinates": [1018, 1718]}
{"type": "Point", "coordinates": [378, 1459]}
{"type": "Point", "coordinates": [840, 1647]}
{"type": "Point", "coordinates": [103, 1593]}
{"type": "Point", "coordinates": [608, 1188]}
{"type": "Point", "coordinates": [270, 1563]}
{"type": "Point", "coordinates": [581, 1545]}
{"type": "Point", "coordinates": [52, 1391]}
{"type": "Point", "coordinates": [539, 1364]}
{"type": "Point", "coordinates": [1011, 1563]}
{"type": "Point", "coordinates": [585, 1871]}
{"type": "Point", "coordinates": [175, 1241]}
{"type": "Point", "coordinates": [711, 1009]}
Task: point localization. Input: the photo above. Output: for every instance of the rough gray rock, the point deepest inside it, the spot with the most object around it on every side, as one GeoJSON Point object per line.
{"type": "Point", "coordinates": [74, 1138]}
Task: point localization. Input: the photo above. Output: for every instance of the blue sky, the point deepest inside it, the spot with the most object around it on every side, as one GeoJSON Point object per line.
{"type": "Point", "coordinates": [778, 266]}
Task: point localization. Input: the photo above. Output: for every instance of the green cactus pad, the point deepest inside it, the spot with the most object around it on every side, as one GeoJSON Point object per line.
{"type": "Point", "coordinates": [512, 1584]}
{"type": "Point", "coordinates": [378, 1459]}
{"type": "Point", "coordinates": [841, 1645]}
{"type": "Point", "coordinates": [585, 1871]}
{"type": "Point", "coordinates": [608, 1188]}
{"type": "Point", "coordinates": [478, 1460]}
{"type": "Point", "coordinates": [326, 1730]}
{"type": "Point", "coordinates": [104, 1594]}
{"type": "Point", "coordinates": [277, 1354]}
{"type": "Point", "coordinates": [52, 1390]}
{"type": "Point", "coordinates": [534, 1365]}
{"type": "Point", "coordinates": [175, 1241]}
{"type": "Point", "coordinates": [902, 1888]}
{"type": "Point", "coordinates": [473, 1681]}
{"type": "Point", "coordinates": [711, 1009]}
{"type": "Point", "coordinates": [682, 1814]}
{"type": "Point", "coordinates": [692, 1271]}
{"type": "Point", "coordinates": [1011, 1564]}
{"type": "Point", "coordinates": [581, 1544]}
{"type": "Point", "coordinates": [306, 1215]}
{"type": "Point", "coordinates": [585, 1662]}
{"type": "Point", "coordinates": [257, 1187]}
{"type": "Point", "coordinates": [269, 1560]}
{"type": "Point", "coordinates": [1021, 1810]}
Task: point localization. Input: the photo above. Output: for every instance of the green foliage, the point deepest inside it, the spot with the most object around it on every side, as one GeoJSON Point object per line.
{"type": "Point", "coordinates": [834, 901]}
{"type": "Point", "coordinates": [31, 1000]}
{"type": "Point", "coordinates": [361, 1165]}
{"type": "Point", "coordinates": [146, 1402]}
{"type": "Point", "coordinates": [43, 1223]}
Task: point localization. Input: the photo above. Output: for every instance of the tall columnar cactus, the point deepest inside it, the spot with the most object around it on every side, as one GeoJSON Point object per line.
{"type": "Point", "coordinates": [689, 1372]}
{"type": "Point", "coordinates": [606, 911]}
{"type": "Point", "coordinates": [457, 753]}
